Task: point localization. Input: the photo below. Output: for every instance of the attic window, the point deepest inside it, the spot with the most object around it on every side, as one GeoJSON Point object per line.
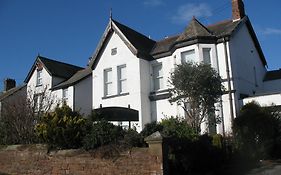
{"type": "Point", "coordinates": [114, 51]}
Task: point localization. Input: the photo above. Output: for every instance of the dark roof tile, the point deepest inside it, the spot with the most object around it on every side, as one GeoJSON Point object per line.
{"type": "Point", "coordinates": [78, 76]}
{"type": "Point", "coordinates": [142, 43]}
{"type": "Point", "coordinates": [273, 75]}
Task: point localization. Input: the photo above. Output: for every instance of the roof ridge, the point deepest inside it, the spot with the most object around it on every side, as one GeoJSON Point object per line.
{"type": "Point", "coordinates": [40, 57]}
{"type": "Point", "coordinates": [115, 21]}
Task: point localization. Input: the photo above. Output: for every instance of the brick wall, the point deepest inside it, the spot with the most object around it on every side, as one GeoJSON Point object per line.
{"type": "Point", "coordinates": [34, 159]}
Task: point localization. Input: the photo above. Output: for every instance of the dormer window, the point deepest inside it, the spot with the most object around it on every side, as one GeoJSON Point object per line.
{"type": "Point", "coordinates": [39, 81]}
{"type": "Point", "coordinates": [114, 51]}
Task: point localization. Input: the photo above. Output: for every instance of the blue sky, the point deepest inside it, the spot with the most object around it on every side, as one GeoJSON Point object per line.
{"type": "Point", "coordinates": [69, 30]}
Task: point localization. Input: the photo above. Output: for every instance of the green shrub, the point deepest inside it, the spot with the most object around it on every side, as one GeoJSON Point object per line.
{"type": "Point", "coordinates": [62, 128]}
{"type": "Point", "coordinates": [217, 141]}
{"type": "Point", "coordinates": [256, 131]}
{"type": "Point", "coordinates": [150, 128]}
{"type": "Point", "coordinates": [177, 128]}
{"type": "Point", "coordinates": [102, 133]}
{"type": "Point", "coordinates": [132, 138]}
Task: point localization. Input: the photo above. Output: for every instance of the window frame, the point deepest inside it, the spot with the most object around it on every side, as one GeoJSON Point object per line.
{"type": "Point", "coordinates": [106, 84]}
{"type": "Point", "coordinates": [183, 60]}
{"type": "Point", "coordinates": [65, 94]}
{"type": "Point", "coordinates": [210, 55]}
{"type": "Point", "coordinates": [120, 79]}
{"type": "Point", "coordinates": [39, 78]}
{"type": "Point", "coordinates": [158, 78]}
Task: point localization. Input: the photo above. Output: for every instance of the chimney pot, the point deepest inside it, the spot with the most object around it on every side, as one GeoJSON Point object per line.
{"type": "Point", "coordinates": [238, 11]}
{"type": "Point", "coordinates": [9, 84]}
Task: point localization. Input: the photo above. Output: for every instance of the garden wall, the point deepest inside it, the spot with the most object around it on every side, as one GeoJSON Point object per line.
{"type": "Point", "coordinates": [34, 159]}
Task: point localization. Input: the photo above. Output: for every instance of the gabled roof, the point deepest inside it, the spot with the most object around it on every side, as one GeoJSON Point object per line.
{"type": "Point", "coordinates": [194, 30]}
{"type": "Point", "coordinates": [11, 92]}
{"type": "Point", "coordinates": [139, 44]}
{"type": "Point", "coordinates": [77, 77]}
{"type": "Point", "coordinates": [142, 43]}
{"type": "Point", "coordinates": [272, 75]}
{"type": "Point", "coordinates": [54, 68]}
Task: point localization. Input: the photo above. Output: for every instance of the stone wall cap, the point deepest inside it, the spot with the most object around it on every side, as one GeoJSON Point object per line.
{"type": "Point", "coordinates": [157, 136]}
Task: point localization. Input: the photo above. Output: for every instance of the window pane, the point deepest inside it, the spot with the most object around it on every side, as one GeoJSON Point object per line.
{"type": "Point", "coordinates": [188, 56]}
{"type": "Point", "coordinates": [39, 77]}
{"type": "Point", "coordinates": [123, 86]}
{"type": "Point", "coordinates": [122, 78]}
{"type": "Point", "coordinates": [157, 77]}
{"type": "Point", "coordinates": [207, 55]}
{"type": "Point", "coordinates": [107, 82]}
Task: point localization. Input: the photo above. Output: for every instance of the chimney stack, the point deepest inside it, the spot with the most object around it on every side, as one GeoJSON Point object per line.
{"type": "Point", "coordinates": [238, 11]}
{"type": "Point", "coordinates": [9, 84]}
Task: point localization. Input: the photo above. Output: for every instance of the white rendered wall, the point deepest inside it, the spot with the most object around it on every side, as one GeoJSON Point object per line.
{"type": "Point", "coordinates": [83, 96]}
{"type": "Point", "coordinates": [272, 86]}
{"type": "Point", "coordinates": [247, 65]}
{"type": "Point", "coordinates": [123, 56]}
{"type": "Point", "coordinates": [265, 100]}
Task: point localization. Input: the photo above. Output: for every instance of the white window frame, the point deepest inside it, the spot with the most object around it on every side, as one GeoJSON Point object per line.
{"type": "Point", "coordinates": [210, 55]}
{"type": "Point", "coordinates": [121, 79]}
{"type": "Point", "coordinates": [158, 78]}
{"type": "Point", "coordinates": [39, 79]}
{"type": "Point", "coordinates": [65, 94]}
{"type": "Point", "coordinates": [106, 82]}
{"type": "Point", "coordinates": [183, 60]}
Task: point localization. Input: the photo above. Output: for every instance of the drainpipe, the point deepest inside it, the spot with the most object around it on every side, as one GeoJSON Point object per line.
{"type": "Point", "coordinates": [228, 81]}
{"type": "Point", "coordinates": [221, 107]}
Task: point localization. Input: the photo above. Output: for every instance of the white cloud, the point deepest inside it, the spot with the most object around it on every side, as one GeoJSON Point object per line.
{"type": "Point", "coordinates": [187, 11]}
{"type": "Point", "coordinates": [271, 31]}
{"type": "Point", "coordinates": [153, 2]}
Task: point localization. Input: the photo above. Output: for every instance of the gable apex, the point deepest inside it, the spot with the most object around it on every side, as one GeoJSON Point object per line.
{"type": "Point", "coordinates": [138, 44]}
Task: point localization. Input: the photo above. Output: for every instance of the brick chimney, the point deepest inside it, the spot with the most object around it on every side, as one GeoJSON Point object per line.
{"type": "Point", "coordinates": [238, 11]}
{"type": "Point", "coordinates": [9, 84]}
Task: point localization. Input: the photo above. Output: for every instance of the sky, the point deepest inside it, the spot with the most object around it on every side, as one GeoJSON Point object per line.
{"type": "Point", "coordinates": [69, 30]}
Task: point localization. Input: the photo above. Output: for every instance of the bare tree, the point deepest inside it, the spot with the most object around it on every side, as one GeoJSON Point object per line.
{"type": "Point", "coordinates": [21, 113]}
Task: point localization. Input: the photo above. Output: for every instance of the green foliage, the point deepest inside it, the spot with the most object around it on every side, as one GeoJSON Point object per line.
{"type": "Point", "coordinates": [62, 128]}
{"type": "Point", "coordinates": [102, 133]}
{"type": "Point", "coordinates": [197, 87]}
{"type": "Point", "coordinates": [177, 128]}
{"type": "Point", "coordinates": [132, 138]}
{"type": "Point", "coordinates": [217, 140]}
{"type": "Point", "coordinates": [151, 128]}
{"type": "Point", "coordinates": [255, 131]}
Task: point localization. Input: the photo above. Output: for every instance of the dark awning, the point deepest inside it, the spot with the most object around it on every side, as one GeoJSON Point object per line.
{"type": "Point", "coordinates": [118, 114]}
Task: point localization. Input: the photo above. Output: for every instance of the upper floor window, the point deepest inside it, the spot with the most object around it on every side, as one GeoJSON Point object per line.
{"type": "Point", "coordinates": [114, 51]}
{"type": "Point", "coordinates": [65, 94]}
{"type": "Point", "coordinates": [207, 55]}
{"type": "Point", "coordinates": [107, 81]}
{"type": "Point", "coordinates": [122, 79]}
{"type": "Point", "coordinates": [39, 78]}
{"type": "Point", "coordinates": [188, 56]}
{"type": "Point", "coordinates": [157, 74]}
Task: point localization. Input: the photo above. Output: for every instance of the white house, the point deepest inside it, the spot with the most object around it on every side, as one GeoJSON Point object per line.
{"type": "Point", "coordinates": [51, 82]}
{"type": "Point", "coordinates": [131, 71]}
{"type": "Point", "coordinates": [127, 76]}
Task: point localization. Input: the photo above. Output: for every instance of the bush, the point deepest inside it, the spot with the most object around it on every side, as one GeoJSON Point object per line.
{"type": "Point", "coordinates": [133, 139]}
{"type": "Point", "coordinates": [102, 133]}
{"type": "Point", "coordinates": [62, 129]}
{"type": "Point", "coordinates": [256, 131]}
{"type": "Point", "coordinates": [151, 128]}
{"type": "Point", "coordinates": [177, 128]}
